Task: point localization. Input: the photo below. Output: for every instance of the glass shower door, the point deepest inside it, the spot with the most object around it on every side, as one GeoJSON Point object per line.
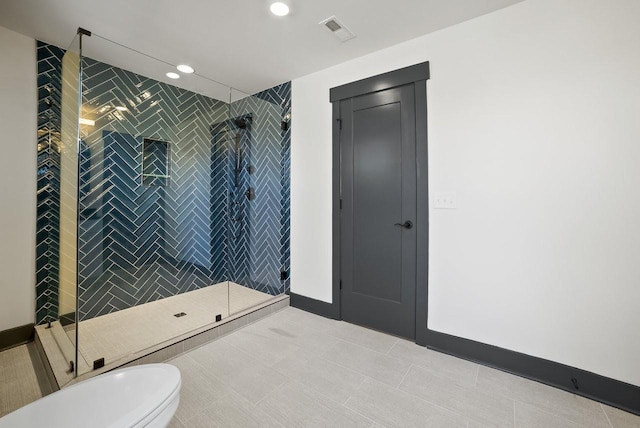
{"type": "Point", "coordinates": [148, 252]}
{"type": "Point", "coordinates": [258, 234]}
{"type": "Point", "coordinates": [68, 152]}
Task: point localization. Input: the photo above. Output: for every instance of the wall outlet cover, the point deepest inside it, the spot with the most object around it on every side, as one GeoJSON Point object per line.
{"type": "Point", "coordinates": [445, 201]}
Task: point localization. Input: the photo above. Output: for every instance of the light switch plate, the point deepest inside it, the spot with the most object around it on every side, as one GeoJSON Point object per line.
{"type": "Point", "coordinates": [445, 201]}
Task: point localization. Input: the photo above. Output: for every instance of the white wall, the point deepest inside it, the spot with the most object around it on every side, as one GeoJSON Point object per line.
{"type": "Point", "coordinates": [534, 120]}
{"type": "Point", "coordinates": [18, 124]}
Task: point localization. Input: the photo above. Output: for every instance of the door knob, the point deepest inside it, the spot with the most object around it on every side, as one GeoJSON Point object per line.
{"type": "Point", "coordinates": [407, 224]}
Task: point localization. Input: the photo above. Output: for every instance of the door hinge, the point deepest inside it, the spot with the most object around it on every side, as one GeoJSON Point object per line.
{"type": "Point", "coordinates": [340, 123]}
{"type": "Point", "coordinates": [340, 203]}
{"type": "Point", "coordinates": [340, 284]}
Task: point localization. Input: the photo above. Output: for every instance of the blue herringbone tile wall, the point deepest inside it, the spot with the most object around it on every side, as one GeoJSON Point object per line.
{"type": "Point", "coordinates": [139, 243]}
{"type": "Point", "coordinates": [48, 182]}
{"type": "Point", "coordinates": [260, 236]}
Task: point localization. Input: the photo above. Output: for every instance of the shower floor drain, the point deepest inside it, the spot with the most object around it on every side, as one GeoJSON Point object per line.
{"type": "Point", "coordinates": [181, 314]}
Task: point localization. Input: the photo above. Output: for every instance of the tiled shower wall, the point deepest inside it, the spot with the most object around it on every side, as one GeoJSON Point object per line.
{"type": "Point", "coordinates": [141, 243]}
{"type": "Point", "coordinates": [48, 200]}
{"type": "Point", "coordinates": [259, 237]}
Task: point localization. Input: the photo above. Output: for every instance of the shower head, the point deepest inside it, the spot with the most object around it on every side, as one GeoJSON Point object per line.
{"type": "Point", "coordinates": [242, 122]}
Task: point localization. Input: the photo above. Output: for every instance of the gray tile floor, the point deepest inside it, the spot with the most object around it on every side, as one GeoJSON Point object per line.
{"type": "Point", "coordinates": [295, 369]}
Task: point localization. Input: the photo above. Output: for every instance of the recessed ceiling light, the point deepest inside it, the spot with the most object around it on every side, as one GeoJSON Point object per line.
{"type": "Point", "coordinates": [172, 75]}
{"type": "Point", "coordinates": [185, 68]}
{"type": "Point", "coordinates": [121, 108]}
{"type": "Point", "coordinates": [279, 8]}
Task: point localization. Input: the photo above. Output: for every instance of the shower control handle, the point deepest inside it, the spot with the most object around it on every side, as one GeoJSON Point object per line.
{"type": "Point", "coordinates": [407, 224]}
{"type": "Point", "coordinates": [250, 193]}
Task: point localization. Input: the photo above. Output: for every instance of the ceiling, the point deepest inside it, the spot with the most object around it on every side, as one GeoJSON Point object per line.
{"type": "Point", "coordinates": [237, 42]}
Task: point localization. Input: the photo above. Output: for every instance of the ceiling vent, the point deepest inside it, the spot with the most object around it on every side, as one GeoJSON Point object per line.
{"type": "Point", "coordinates": [338, 29]}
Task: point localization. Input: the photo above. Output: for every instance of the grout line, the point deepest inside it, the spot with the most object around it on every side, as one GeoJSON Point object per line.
{"type": "Point", "coordinates": [421, 399]}
{"type": "Point", "coordinates": [356, 389]}
{"type": "Point", "coordinates": [369, 349]}
{"type": "Point", "coordinates": [269, 394]}
{"type": "Point", "coordinates": [404, 377]}
{"type": "Point", "coordinates": [183, 422]}
{"type": "Point", "coordinates": [345, 405]}
{"type": "Point", "coordinates": [549, 413]}
{"type": "Point", "coordinates": [391, 349]}
{"type": "Point", "coordinates": [392, 346]}
{"type": "Point", "coordinates": [321, 356]}
{"type": "Point", "coordinates": [477, 375]}
{"type": "Point", "coordinates": [338, 324]}
{"type": "Point", "coordinates": [606, 415]}
{"type": "Point", "coordinates": [514, 414]}
{"type": "Point", "coordinates": [358, 413]}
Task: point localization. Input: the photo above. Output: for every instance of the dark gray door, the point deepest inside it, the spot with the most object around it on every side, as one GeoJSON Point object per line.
{"type": "Point", "coordinates": [377, 225]}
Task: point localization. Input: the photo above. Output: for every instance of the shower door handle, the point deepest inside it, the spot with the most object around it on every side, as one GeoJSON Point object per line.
{"type": "Point", "coordinates": [407, 224]}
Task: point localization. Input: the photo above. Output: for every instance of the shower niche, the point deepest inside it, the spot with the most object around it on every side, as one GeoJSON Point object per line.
{"type": "Point", "coordinates": [155, 162]}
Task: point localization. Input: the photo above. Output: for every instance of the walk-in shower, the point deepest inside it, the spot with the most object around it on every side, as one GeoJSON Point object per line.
{"type": "Point", "coordinates": [162, 209]}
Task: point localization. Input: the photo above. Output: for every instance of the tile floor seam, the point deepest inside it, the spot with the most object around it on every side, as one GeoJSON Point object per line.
{"type": "Point", "coordinates": [323, 404]}
{"type": "Point", "coordinates": [606, 415]}
{"type": "Point", "coordinates": [318, 329]}
{"type": "Point", "coordinates": [337, 322]}
{"type": "Point", "coordinates": [358, 413]}
{"type": "Point", "coordinates": [392, 346]}
{"type": "Point", "coordinates": [219, 379]}
{"type": "Point", "coordinates": [231, 385]}
{"type": "Point", "coordinates": [451, 410]}
{"type": "Point", "coordinates": [257, 403]}
{"type": "Point", "coordinates": [404, 376]}
{"type": "Point", "coordinates": [477, 374]}
{"type": "Point", "coordinates": [504, 395]}
{"type": "Point", "coordinates": [519, 378]}
{"type": "Point", "coordinates": [515, 423]}
{"type": "Point", "coordinates": [357, 388]}
{"type": "Point", "coordinates": [440, 406]}
{"type": "Point", "coordinates": [273, 339]}
{"type": "Point", "coordinates": [391, 349]}
{"type": "Point", "coordinates": [190, 417]}
{"type": "Point", "coordinates": [259, 362]}
{"type": "Point", "coordinates": [323, 393]}
{"type": "Point", "coordinates": [369, 349]}
{"type": "Point", "coordinates": [242, 398]}
{"type": "Point", "coordinates": [347, 401]}
{"type": "Point", "coordinates": [373, 422]}
{"type": "Point", "coordinates": [349, 368]}
{"type": "Point", "coordinates": [549, 413]}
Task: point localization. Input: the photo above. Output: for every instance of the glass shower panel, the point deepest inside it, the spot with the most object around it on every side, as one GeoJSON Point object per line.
{"type": "Point", "coordinates": [151, 263]}
{"type": "Point", "coordinates": [259, 196]}
{"type": "Point", "coordinates": [66, 337]}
